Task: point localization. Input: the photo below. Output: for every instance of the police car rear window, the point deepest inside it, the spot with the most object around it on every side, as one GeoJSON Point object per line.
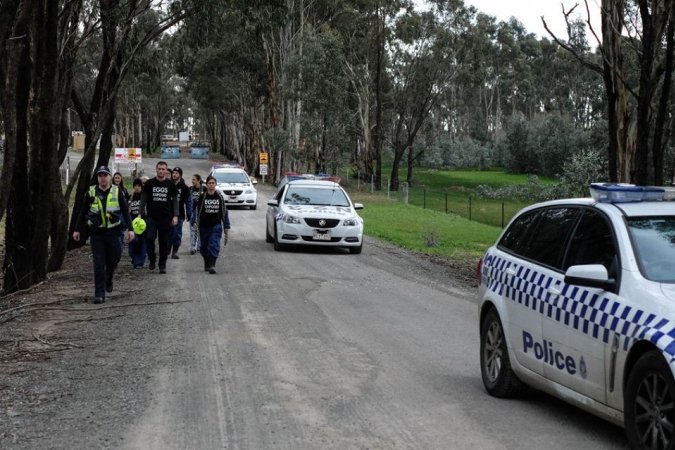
{"type": "Point", "coordinates": [547, 238]}
{"type": "Point", "coordinates": [516, 232]}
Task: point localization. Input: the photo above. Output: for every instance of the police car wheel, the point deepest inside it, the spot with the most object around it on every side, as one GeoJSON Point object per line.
{"type": "Point", "coordinates": [268, 237]}
{"type": "Point", "coordinates": [649, 404]}
{"type": "Point", "coordinates": [495, 367]}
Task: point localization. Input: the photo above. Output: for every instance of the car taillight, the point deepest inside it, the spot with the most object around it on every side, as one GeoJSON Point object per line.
{"type": "Point", "coordinates": [479, 270]}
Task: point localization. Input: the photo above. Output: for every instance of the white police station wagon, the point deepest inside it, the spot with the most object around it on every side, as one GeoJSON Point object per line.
{"type": "Point", "coordinates": [577, 299]}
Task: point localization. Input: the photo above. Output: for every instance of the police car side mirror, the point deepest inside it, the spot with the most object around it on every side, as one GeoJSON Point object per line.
{"type": "Point", "coordinates": [358, 205]}
{"type": "Point", "coordinates": [273, 203]}
{"type": "Point", "coordinates": [590, 275]}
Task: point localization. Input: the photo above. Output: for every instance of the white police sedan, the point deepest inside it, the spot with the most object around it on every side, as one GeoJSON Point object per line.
{"type": "Point", "coordinates": [313, 212]}
{"type": "Point", "coordinates": [577, 298]}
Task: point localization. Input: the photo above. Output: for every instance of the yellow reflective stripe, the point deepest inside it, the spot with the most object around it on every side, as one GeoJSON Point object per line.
{"type": "Point", "coordinates": [113, 204]}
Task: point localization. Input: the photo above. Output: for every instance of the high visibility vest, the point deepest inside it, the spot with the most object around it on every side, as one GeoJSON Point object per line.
{"type": "Point", "coordinates": [112, 217]}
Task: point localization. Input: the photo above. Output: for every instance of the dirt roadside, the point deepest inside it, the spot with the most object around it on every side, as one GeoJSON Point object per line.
{"type": "Point", "coordinates": [71, 372]}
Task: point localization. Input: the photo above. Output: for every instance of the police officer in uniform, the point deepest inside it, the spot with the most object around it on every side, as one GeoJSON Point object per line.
{"type": "Point", "coordinates": [106, 212]}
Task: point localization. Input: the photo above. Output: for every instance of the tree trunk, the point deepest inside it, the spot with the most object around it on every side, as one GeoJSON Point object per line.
{"type": "Point", "coordinates": [13, 31]}
{"type": "Point", "coordinates": [17, 264]}
{"type": "Point", "coordinates": [395, 164]}
{"type": "Point", "coordinates": [619, 162]}
{"type": "Point", "coordinates": [660, 134]}
{"type": "Point", "coordinates": [377, 138]}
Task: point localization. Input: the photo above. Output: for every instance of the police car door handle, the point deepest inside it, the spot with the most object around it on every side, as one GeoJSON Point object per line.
{"type": "Point", "coordinates": [553, 291]}
{"type": "Point", "coordinates": [510, 272]}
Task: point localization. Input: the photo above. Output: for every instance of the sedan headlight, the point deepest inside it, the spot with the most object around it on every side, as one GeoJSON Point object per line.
{"type": "Point", "coordinates": [291, 219]}
{"type": "Point", "coordinates": [351, 222]}
{"type": "Point", "coordinates": [249, 191]}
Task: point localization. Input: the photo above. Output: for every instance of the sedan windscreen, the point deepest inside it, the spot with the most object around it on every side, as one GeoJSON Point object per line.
{"type": "Point", "coordinates": [654, 241]}
{"type": "Point", "coordinates": [314, 196]}
{"type": "Point", "coordinates": [231, 177]}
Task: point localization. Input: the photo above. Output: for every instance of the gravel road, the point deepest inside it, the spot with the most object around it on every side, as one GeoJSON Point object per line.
{"type": "Point", "coordinates": [302, 349]}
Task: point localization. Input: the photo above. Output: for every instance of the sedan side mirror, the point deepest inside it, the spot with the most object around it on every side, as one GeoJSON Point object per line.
{"type": "Point", "coordinates": [358, 205]}
{"type": "Point", "coordinates": [273, 202]}
{"type": "Point", "coordinates": [590, 275]}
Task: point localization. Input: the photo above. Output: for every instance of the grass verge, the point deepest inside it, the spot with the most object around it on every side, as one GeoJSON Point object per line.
{"type": "Point", "coordinates": [433, 233]}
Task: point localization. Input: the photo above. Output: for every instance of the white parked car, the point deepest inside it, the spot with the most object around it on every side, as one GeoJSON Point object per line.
{"type": "Point", "coordinates": [311, 212]}
{"type": "Point", "coordinates": [577, 298]}
{"type": "Point", "coordinates": [236, 186]}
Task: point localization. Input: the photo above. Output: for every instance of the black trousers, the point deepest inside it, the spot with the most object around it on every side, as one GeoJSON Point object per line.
{"type": "Point", "coordinates": [161, 231]}
{"type": "Point", "coordinates": [106, 249]}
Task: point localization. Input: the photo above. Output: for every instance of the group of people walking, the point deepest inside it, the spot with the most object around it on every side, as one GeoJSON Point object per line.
{"type": "Point", "coordinates": [155, 210]}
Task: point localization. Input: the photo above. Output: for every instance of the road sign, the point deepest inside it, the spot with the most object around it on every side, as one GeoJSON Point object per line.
{"type": "Point", "coordinates": [264, 158]}
{"type": "Point", "coordinates": [263, 169]}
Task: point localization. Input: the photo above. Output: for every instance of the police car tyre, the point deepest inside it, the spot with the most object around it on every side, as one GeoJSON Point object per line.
{"type": "Point", "coordinates": [254, 207]}
{"type": "Point", "coordinates": [268, 237]}
{"type": "Point", "coordinates": [356, 250]}
{"type": "Point", "coordinates": [495, 367]}
{"type": "Point", "coordinates": [649, 404]}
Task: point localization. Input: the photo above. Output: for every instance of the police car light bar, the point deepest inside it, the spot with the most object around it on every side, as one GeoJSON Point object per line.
{"type": "Point", "coordinates": [622, 193]}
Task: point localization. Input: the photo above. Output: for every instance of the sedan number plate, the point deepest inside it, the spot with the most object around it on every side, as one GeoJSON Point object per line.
{"type": "Point", "coordinates": [321, 235]}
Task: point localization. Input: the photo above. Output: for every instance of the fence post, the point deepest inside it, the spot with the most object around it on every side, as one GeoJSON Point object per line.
{"type": "Point", "coordinates": [502, 214]}
{"type": "Point", "coordinates": [404, 186]}
{"type": "Point", "coordinates": [424, 198]}
{"type": "Point", "coordinates": [358, 180]}
{"type": "Point", "coordinates": [388, 187]}
{"type": "Point", "coordinates": [469, 208]}
{"type": "Point", "coordinates": [446, 202]}
{"type": "Point", "coordinates": [372, 184]}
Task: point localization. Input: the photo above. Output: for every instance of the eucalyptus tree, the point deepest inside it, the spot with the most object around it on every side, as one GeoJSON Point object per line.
{"type": "Point", "coordinates": [152, 97]}
{"type": "Point", "coordinates": [227, 55]}
{"type": "Point", "coordinates": [29, 109]}
{"type": "Point", "coordinates": [639, 103]}
{"type": "Point", "coordinates": [40, 44]}
{"type": "Point", "coordinates": [326, 122]}
{"type": "Point", "coordinates": [126, 27]}
{"type": "Point", "coordinates": [425, 54]}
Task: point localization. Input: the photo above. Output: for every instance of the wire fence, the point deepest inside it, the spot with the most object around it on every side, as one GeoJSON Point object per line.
{"type": "Point", "coordinates": [452, 200]}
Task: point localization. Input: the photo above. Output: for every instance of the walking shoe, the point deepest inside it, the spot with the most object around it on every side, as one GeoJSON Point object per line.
{"type": "Point", "coordinates": [109, 287]}
{"type": "Point", "coordinates": [212, 270]}
{"type": "Point", "coordinates": [98, 300]}
{"type": "Point", "coordinates": [151, 266]}
{"type": "Point", "coordinates": [175, 256]}
{"type": "Point", "coordinates": [192, 252]}
{"type": "Point", "coordinates": [162, 270]}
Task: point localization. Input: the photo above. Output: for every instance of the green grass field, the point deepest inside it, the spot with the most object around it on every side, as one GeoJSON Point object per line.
{"type": "Point", "coordinates": [468, 179]}
{"type": "Point", "coordinates": [427, 231]}
{"type": "Point", "coordinates": [445, 219]}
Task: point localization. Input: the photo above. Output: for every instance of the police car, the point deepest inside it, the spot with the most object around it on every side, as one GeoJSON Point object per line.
{"type": "Point", "coordinates": [235, 185]}
{"type": "Point", "coordinates": [577, 299]}
{"type": "Point", "coordinates": [314, 212]}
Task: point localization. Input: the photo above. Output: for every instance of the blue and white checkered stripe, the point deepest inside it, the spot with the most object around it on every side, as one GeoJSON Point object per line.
{"type": "Point", "coordinates": [577, 307]}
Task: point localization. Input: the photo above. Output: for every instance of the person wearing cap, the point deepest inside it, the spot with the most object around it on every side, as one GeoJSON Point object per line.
{"type": "Point", "coordinates": [106, 212]}
{"type": "Point", "coordinates": [184, 210]}
{"type": "Point", "coordinates": [137, 248]}
{"type": "Point", "coordinates": [213, 220]}
{"type": "Point", "coordinates": [159, 209]}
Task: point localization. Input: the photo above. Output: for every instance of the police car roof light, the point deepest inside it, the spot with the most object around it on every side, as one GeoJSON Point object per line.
{"type": "Point", "coordinates": [623, 193]}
